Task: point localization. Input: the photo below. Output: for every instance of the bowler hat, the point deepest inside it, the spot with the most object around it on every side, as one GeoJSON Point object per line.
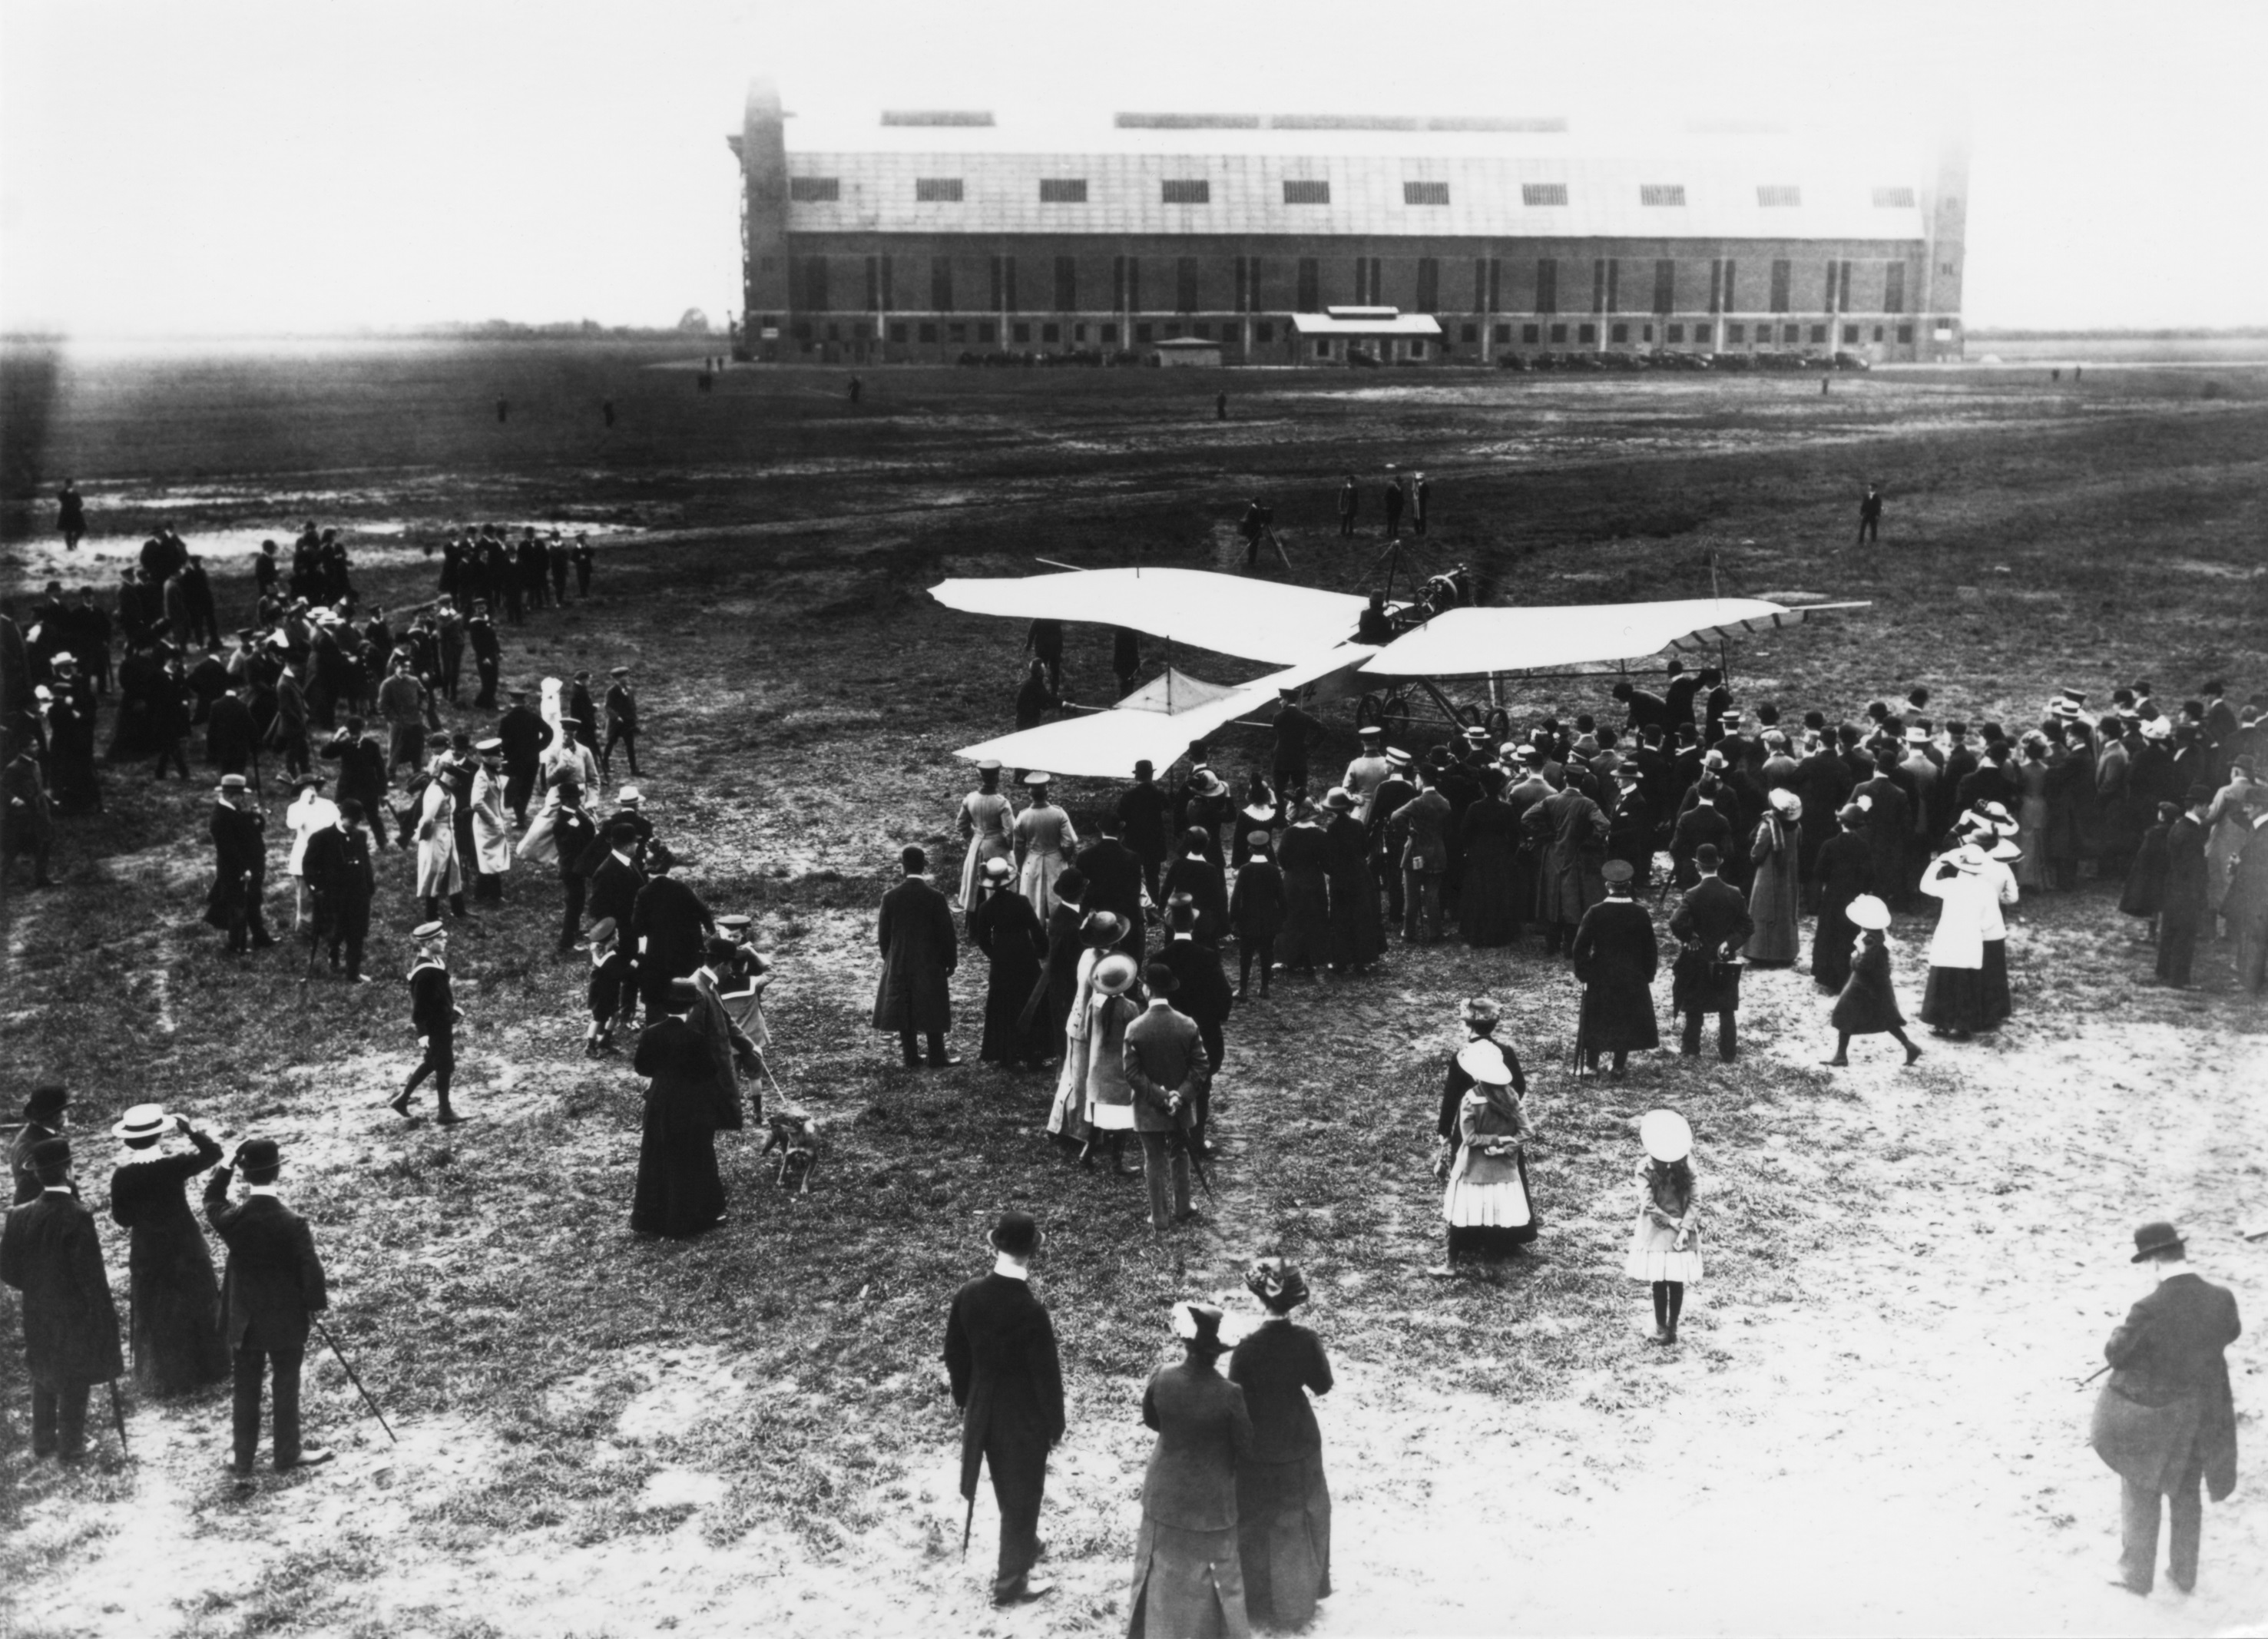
{"type": "Point", "coordinates": [1161, 979]}
{"type": "Point", "coordinates": [258, 1155]}
{"type": "Point", "coordinates": [1016, 1233]}
{"type": "Point", "coordinates": [684, 992]}
{"type": "Point", "coordinates": [47, 1099]}
{"type": "Point", "coordinates": [2149, 1241]}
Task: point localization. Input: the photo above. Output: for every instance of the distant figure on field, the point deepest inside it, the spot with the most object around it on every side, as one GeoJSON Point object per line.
{"type": "Point", "coordinates": [857, 387]}
{"type": "Point", "coordinates": [1870, 515]}
{"type": "Point", "coordinates": [1220, 407]}
{"type": "Point", "coordinates": [70, 515]}
{"type": "Point", "coordinates": [1350, 502]}
{"type": "Point", "coordinates": [1393, 498]}
{"type": "Point", "coordinates": [503, 411]}
{"type": "Point", "coordinates": [607, 410]}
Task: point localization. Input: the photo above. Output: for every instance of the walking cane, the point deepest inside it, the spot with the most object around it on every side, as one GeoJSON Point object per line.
{"type": "Point", "coordinates": [325, 1334]}
{"type": "Point", "coordinates": [2083, 1382]}
{"type": "Point", "coordinates": [968, 1524]}
{"type": "Point", "coordinates": [118, 1416]}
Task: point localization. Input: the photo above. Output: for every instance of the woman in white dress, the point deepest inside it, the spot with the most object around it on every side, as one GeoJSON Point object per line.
{"type": "Point", "coordinates": [310, 812]}
{"type": "Point", "coordinates": [491, 827]}
{"type": "Point", "coordinates": [1045, 842]}
{"type": "Point", "coordinates": [1067, 1118]}
{"type": "Point", "coordinates": [1953, 1001]}
{"type": "Point", "coordinates": [565, 759]}
{"type": "Point", "coordinates": [986, 816]}
{"type": "Point", "coordinates": [439, 874]}
{"type": "Point", "coordinates": [1665, 1249]}
{"type": "Point", "coordinates": [1486, 1204]}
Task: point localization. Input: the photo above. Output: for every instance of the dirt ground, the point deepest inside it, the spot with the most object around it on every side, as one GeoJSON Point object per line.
{"type": "Point", "coordinates": [1871, 1425]}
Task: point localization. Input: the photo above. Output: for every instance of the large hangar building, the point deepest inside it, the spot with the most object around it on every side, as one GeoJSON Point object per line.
{"type": "Point", "coordinates": [926, 235]}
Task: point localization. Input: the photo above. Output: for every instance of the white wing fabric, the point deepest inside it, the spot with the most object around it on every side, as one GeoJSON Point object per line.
{"type": "Point", "coordinates": [1254, 620]}
{"type": "Point", "coordinates": [1473, 642]}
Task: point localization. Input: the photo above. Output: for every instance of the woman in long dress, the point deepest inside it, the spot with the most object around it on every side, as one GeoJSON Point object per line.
{"type": "Point", "coordinates": [1665, 1249]}
{"type": "Point", "coordinates": [1109, 1094]}
{"type": "Point", "coordinates": [1358, 927]}
{"type": "Point", "coordinates": [985, 817]}
{"type": "Point", "coordinates": [1259, 814]}
{"type": "Point", "coordinates": [1005, 929]}
{"type": "Point", "coordinates": [1953, 1001]}
{"type": "Point", "coordinates": [1776, 891]}
{"type": "Point", "coordinates": [1283, 1502]}
{"type": "Point", "coordinates": [1488, 905]}
{"type": "Point", "coordinates": [1486, 1203]}
{"type": "Point", "coordinates": [1868, 1005]}
{"type": "Point", "coordinates": [2032, 812]}
{"type": "Point", "coordinates": [179, 1346]}
{"type": "Point", "coordinates": [679, 1193]}
{"type": "Point", "coordinates": [1255, 911]}
{"type": "Point", "coordinates": [1067, 1120]}
{"type": "Point", "coordinates": [1304, 856]}
{"type": "Point", "coordinates": [1196, 873]}
{"type": "Point", "coordinates": [2000, 889]}
{"type": "Point", "coordinates": [1044, 842]}
{"type": "Point", "coordinates": [1188, 1573]}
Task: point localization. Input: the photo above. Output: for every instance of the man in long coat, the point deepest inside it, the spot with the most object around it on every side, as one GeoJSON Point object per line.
{"type": "Point", "coordinates": [1889, 819]}
{"type": "Point", "coordinates": [2166, 1421]}
{"type": "Point", "coordinates": [1571, 831]}
{"type": "Point", "coordinates": [1113, 874]}
{"type": "Point", "coordinates": [919, 952]}
{"type": "Point", "coordinates": [1000, 1356]}
{"type": "Point", "coordinates": [50, 1252]}
{"type": "Point", "coordinates": [524, 735]}
{"type": "Point", "coordinates": [2185, 910]}
{"type": "Point", "coordinates": [1711, 926]}
{"type": "Point", "coordinates": [240, 867]}
{"type": "Point", "coordinates": [1616, 958]}
{"type": "Point", "coordinates": [274, 1283]}
{"type": "Point", "coordinates": [338, 872]}
{"type": "Point", "coordinates": [2245, 905]}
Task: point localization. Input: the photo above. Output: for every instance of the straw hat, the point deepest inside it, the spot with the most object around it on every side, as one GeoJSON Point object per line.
{"type": "Point", "coordinates": [1485, 1065]}
{"type": "Point", "coordinates": [1787, 804]}
{"type": "Point", "coordinates": [1866, 911]}
{"type": "Point", "coordinates": [143, 1121]}
{"type": "Point", "coordinates": [1113, 976]}
{"type": "Point", "coordinates": [1666, 1136]}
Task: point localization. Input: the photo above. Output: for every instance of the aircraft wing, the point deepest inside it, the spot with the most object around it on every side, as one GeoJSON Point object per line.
{"type": "Point", "coordinates": [1106, 745]}
{"type": "Point", "coordinates": [1473, 643]}
{"type": "Point", "coordinates": [1254, 620]}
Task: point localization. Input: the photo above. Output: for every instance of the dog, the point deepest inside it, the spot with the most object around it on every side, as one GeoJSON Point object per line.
{"type": "Point", "coordinates": [797, 1137]}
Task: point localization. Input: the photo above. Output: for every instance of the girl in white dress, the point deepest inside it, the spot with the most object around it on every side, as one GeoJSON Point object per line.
{"type": "Point", "coordinates": [1665, 1249]}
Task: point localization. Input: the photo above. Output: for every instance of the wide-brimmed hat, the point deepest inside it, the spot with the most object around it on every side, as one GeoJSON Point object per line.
{"type": "Point", "coordinates": [1102, 929]}
{"type": "Point", "coordinates": [1256, 811]}
{"type": "Point", "coordinates": [1480, 1010]}
{"type": "Point", "coordinates": [143, 1121]}
{"type": "Point", "coordinates": [2004, 850]}
{"type": "Point", "coordinates": [601, 930]}
{"type": "Point", "coordinates": [1277, 1282]}
{"type": "Point", "coordinates": [2153, 1239]}
{"type": "Point", "coordinates": [1665, 1135]}
{"type": "Point", "coordinates": [1994, 817]}
{"type": "Point", "coordinates": [1485, 1065]}
{"type": "Point", "coordinates": [739, 921]}
{"type": "Point", "coordinates": [1788, 802]}
{"type": "Point", "coordinates": [1371, 730]}
{"type": "Point", "coordinates": [1198, 1325]}
{"type": "Point", "coordinates": [988, 765]}
{"type": "Point", "coordinates": [1205, 782]}
{"type": "Point", "coordinates": [1917, 735]}
{"type": "Point", "coordinates": [1338, 800]}
{"type": "Point", "coordinates": [1114, 975]}
{"type": "Point", "coordinates": [998, 873]}
{"type": "Point", "coordinates": [1968, 858]}
{"type": "Point", "coordinates": [1866, 911]}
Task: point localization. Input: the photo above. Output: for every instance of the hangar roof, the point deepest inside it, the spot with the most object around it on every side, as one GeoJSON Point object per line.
{"type": "Point", "coordinates": [1439, 177]}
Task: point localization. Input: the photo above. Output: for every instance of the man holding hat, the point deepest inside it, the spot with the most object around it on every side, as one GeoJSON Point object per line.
{"type": "Point", "coordinates": [178, 1346]}
{"type": "Point", "coordinates": [2166, 1421]}
{"type": "Point", "coordinates": [49, 1251]}
{"type": "Point", "coordinates": [1166, 1065]}
{"type": "Point", "coordinates": [434, 1016]}
{"type": "Point", "coordinates": [1616, 958]}
{"type": "Point", "coordinates": [920, 949]}
{"type": "Point", "coordinates": [621, 724]}
{"type": "Point", "coordinates": [240, 867]}
{"type": "Point", "coordinates": [338, 872]}
{"type": "Point", "coordinates": [272, 1283]}
{"type": "Point", "coordinates": [45, 1117]}
{"type": "Point", "coordinates": [1000, 1358]}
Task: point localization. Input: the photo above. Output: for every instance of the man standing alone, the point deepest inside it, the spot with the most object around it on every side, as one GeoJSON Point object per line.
{"type": "Point", "coordinates": [50, 1253]}
{"type": "Point", "coordinates": [919, 952]}
{"type": "Point", "coordinates": [2166, 1421]}
{"type": "Point", "coordinates": [274, 1283]}
{"type": "Point", "coordinates": [1000, 1356]}
{"type": "Point", "coordinates": [1870, 516]}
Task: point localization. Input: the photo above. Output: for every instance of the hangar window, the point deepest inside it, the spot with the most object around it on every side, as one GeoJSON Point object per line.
{"type": "Point", "coordinates": [1502, 332]}
{"type": "Point", "coordinates": [1299, 191]}
{"type": "Point", "coordinates": [1263, 333]}
{"type": "Point", "coordinates": [957, 332]}
{"type": "Point", "coordinates": [1110, 334]}
{"type": "Point", "coordinates": [1532, 194]}
{"type": "Point", "coordinates": [1558, 333]}
{"type": "Point", "coordinates": [1547, 286]}
{"type": "Point", "coordinates": [1066, 283]}
{"type": "Point", "coordinates": [1141, 333]}
{"type": "Point", "coordinates": [1472, 333]}
{"type": "Point", "coordinates": [1678, 333]}
{"type": "Point", "coordinates": [1185, 284]}
{"type": "Point", "coordinates": [1662, 193]}
{"type": "Point", "coordinates": [985, 333]}
{"type": "Point", "coordinates": [1779, 194]}
{"type": "Point", "coordinates": [1818, 333]}
{"type": "Point", "coordinates": [1790, 333]}
{"type": "Point", "coordinates": [929, 333]}
{"type": "Point", "coordinates": [1530, 334]}
{"type": "Point", "coordinates": [1781, 273]}
{"type": "Point", "coordinates": [1424, 192]}
{"type": "Point", "coordinates": [1067, 190]}
{"type": "Point", "coordinates": [1618, 333]}
{"type": "Point", "coordinates": [1196, 191]}
{"type": "Point", "coordinates": [1311, 284]}
{"type": "Point", "coordinates": [1586, 332]}
{"type": "Point", "coordinates": [1850, 333]}
{"type": "Point", "coordinates": [1429, 285]}
{"type": "Point", "coordinates": [1022, 333]}
{"type": "Point", "coordinates": [937, 190]}
{"type": "Point", "coordinates": [1736, 333]}
{"type": "Point", "coordinates": [897, 332]}
{"type": "Point", "coordinates": [814, 190]}
{"type": "Point", "coordinates": [1905, 333]}
{"type": "Point", "coordinates": [1894, 198]}
{"type": "Point", "coordinates": [1894, 287]}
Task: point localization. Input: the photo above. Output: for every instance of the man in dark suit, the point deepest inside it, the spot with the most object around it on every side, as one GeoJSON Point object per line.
{"type": "Point", "coordinates": [488, 652]}
{"type": "Point", "coordinates": [50, 1252]}
{"type": "Point", "coordinates": [1203, 991]}
{"type": "Point", "coordinates": [45, 1115]}
{"type": "Point", "coordinates": [273, 1284]}
{"type": "Point", "coordinates": [920, 949]}
{"type": "Point", "coordinates": [2166, 1421]}
{"type": "Point", "coordinates": [1165, 1063]}
{"type": "Point", "coordinates": [582, 713]}
{"type": "Point", "coordinates": [1710, 925]}
{"type": "Point", "coordinates": [524, 735]}
{"type": "Point", "coordinates": [240, 867]}
{"type": "Point", "coordinates": [621, 724]}
{"type": "Point", "coordinates": [362, 775]}
{"type": "Point", "coordinates": [433, 1019]}
{"type": "Point", "coordinates": [1113, 874]}
{"type": "Point", "coordinates": [1393, 794]}
{"type": "Point", "coordinates": [616, 877]}
{"type": "Point", "coordinates": [1889, 821]}
{"type": "Point", "coordinates": [287, 731]}
{"type": "Point", "coordinates": [1142, 823]}
{"type": "Point", "coordinates": [1615, 959]}
{"type": "Point", "coordinates": [672, 927]}
{"type": "Point", "coordinates": [338, 872]}
{"type": "Point", "coordinates": [1000, 1355]}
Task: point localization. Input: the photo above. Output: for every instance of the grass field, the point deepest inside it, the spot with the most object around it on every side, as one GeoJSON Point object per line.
{"type": "Point", "coordinates": [751, 1431]}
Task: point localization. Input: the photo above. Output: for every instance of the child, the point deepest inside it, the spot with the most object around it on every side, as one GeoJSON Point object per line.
{"type": "Point", "coordinates": [614, 989]}
{"type": "Point", "coordinates": [1665, 1241]}
{"type": "Point", "coordinates": [1256, 910]}
{"type": "Point", "coordinates": [1868, 1005]}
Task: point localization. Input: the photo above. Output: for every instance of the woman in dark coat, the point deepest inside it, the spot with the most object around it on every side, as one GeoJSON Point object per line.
{"type": "Point", "coordinates": [1488, 909]}
{"type": "Point", "coordinates": [1197, 874]}
{"type": "Point", "coordinates": [2145, 892]}
{"type": "Point", "coordinates": [1260, 813]}
{"type": "Point", "coordinates": [1188, 1573]}
{"type": "Point", "coordinates": [1059, 973]}
{"type": "Point", "coordinates": [1283, 1503]}
{"type": "Point", "coordinates": [1358, 928]}
{"type": "Point", "coordinates": [679, 1192]}
{"type": "Point", "coordinates": [1007, 929]}
{"type": "Point", "coordinates": [178, 1345]}
{"type": "Point", "coordinates": [1868, 1005]}
{"type": "Point", "coordinates": [1615, 956]}
{"type": "Point", "coordinates": [1305, 856]}
{"type": "Point", "coordinates": [1255, 911]}
{"type": "Point", "coordinates": [1844, 870]}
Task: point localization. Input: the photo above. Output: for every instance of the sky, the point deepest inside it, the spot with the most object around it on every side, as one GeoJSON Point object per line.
{"type": "Point", "coordinates": [244, 167]}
